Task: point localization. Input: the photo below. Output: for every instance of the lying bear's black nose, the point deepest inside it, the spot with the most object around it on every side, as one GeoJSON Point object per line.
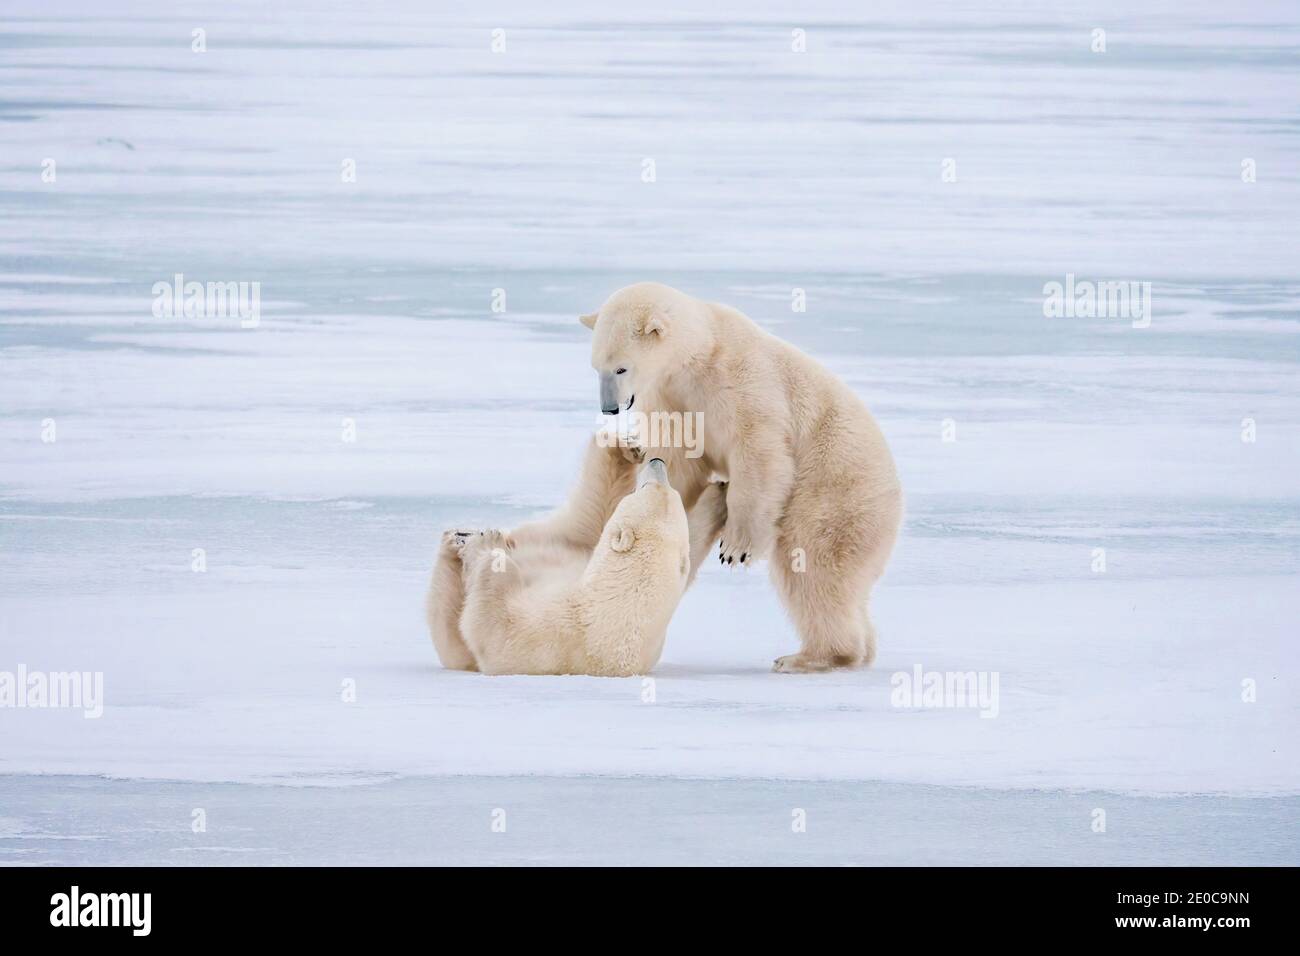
{"type": "Point", "coordinates": [655, 472]}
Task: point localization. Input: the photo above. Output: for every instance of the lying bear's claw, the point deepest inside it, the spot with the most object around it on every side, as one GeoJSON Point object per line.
{"type": "Point", "coordinates": [455, 539]}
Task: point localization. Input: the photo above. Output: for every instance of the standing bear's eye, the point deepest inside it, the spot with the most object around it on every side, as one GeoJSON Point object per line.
{"type": "Point", "coordinates": [619, 371]}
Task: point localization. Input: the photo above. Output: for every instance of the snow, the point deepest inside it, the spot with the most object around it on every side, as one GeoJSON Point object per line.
{"type": "Point", "coordinates": [521, 171]}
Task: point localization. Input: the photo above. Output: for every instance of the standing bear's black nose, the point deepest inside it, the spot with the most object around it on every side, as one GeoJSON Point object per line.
{"type": "Point", "coordinates": [608, 393]}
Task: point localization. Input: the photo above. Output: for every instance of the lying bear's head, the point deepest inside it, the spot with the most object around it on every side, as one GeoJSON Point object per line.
{"type": "Point", "coordinates": [641, 333]}
{"type": "Point", "coordinates": [647, 535]}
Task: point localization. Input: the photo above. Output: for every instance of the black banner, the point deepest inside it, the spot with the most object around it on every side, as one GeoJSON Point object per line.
{"type": "Point", "coordinates": [332, 905]}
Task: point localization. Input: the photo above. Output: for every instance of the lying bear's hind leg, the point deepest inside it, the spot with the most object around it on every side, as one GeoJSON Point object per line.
{"type": "Point", "coordinates": [490, 571]}
{"type": "Point", "coordinates": [443, 605]}
{"type": "Point", "coordinates": [491, 579]}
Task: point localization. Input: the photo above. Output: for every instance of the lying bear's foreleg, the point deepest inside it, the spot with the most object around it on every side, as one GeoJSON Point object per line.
{"type": "Point", "coordinates": [607, 475]}
{"type": "Point", "coordinates": [705, 520]}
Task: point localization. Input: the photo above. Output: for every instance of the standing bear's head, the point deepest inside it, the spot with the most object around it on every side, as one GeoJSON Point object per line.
{"type": "Point", "coordinates": [642, 334]}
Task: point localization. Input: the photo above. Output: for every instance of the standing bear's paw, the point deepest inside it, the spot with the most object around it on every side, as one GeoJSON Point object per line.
{"type": "Point", "coordinates": [806, 664]}
{"type": "Point", "coordinates": [738, 547]}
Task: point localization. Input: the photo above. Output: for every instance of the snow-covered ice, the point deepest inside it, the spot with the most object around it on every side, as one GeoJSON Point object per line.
{"type": "Point", "coordinates": [522, 171]}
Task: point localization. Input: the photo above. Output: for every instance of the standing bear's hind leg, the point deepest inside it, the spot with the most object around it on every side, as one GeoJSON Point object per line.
{"type": "Point", "coordinates": [831, 616]}
{"type": "Point", "coordinates": [824, 575]}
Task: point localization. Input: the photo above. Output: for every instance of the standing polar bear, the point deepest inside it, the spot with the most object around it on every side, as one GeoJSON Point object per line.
{"type": "Point", "coordinates": [589, 589]}
{"type": "Point", "coordinates": [812, 484]}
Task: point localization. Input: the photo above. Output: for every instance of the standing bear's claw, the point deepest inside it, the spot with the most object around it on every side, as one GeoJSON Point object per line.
{"type": "Point", "coordinates": [733, 555]}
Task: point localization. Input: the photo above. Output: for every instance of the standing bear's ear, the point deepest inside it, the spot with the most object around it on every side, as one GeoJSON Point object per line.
{"type": "Point", "coordinates": [622, 538]}
{"type": "Point", "coordinates": [589, 320]}
{"type": "Point", "coordinates": [651, 323]}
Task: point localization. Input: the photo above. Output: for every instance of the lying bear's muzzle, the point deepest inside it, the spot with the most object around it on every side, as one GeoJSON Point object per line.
{"type": "Point", "coordinates": [654, 472]}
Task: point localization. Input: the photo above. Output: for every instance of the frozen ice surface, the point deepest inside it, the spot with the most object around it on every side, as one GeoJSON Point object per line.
{"type": "Point", "coordinates": [522, 171]}
{"type": "Point", "coordinates": [621, 821]}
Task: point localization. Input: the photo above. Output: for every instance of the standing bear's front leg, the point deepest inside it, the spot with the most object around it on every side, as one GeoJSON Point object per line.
{"type": "Point", "coordinates": [759, 484]}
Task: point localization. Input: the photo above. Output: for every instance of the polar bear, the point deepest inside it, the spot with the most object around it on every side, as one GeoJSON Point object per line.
{"type": "Point", "coordinates": [587, 590]}
{"type": "Point", "coordinates": [812, 484]}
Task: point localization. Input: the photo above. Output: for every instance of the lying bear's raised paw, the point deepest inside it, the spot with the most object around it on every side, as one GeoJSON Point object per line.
{"type": "Point", "coordinates": [493, 538]}
{"type": "Point", "coordinates": [454, 541]}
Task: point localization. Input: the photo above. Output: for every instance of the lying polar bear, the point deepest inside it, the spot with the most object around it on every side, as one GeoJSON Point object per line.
{"type": "Point", "coordinates": [589, 590]}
